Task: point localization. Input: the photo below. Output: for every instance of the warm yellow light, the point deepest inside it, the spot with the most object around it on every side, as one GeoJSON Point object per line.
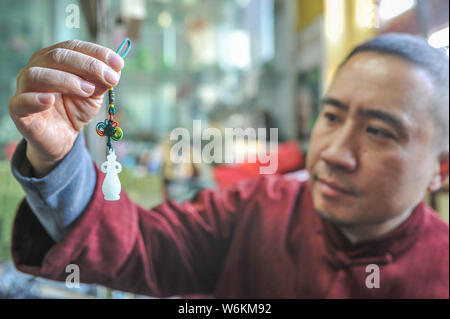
{"type": "Point", "coordinates": [334, 17]}
{"type": "Point", "coordinates": [164, 19]}
{"type": "Point", "coordinates": [366, 14]}
{"type": "Point", "coordinates": [246, 148]}
{"type": "Point", "coordinates": [392, 8]}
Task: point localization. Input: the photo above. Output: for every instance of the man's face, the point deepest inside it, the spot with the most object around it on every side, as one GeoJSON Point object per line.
{"type": "Point", "coordinates": [370, 156]}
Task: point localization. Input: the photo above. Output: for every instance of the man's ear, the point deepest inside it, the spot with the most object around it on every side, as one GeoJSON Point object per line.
{"type": "Point", "coordinates": [442, 176]}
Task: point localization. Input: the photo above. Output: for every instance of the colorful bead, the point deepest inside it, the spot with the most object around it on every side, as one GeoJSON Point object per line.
{"type": "Point", "coordinates": [100, 128]}
{"type": "Point", "coordinates": [118, 135]}
{"type": "Point", "coordinates": [111, 96]}
{"type": "Point", "coordinates": [112, 110]}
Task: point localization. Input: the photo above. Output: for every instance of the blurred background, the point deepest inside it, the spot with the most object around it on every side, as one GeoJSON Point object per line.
{"type": "Point", "coordinates": [229, 63]}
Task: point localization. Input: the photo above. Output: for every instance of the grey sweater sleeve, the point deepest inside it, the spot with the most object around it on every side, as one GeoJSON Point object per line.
{"type": "Point", "coordinates": [58, 198]}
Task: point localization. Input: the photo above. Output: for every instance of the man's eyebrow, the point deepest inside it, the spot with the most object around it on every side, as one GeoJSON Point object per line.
{"type": "Point", "coordinates": [334, 102]}
{"type": "Point", "coordinates": [381, 115]}
{"type": "Point", "coordinates": [385, 117]}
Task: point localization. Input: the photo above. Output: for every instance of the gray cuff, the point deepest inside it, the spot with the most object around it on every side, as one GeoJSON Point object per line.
{"type": "Point", "coordinates": [58, 198]}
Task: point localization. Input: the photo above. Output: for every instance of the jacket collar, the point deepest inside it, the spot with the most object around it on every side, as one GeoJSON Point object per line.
{"type": "Point", "coordinates": [385, 249]}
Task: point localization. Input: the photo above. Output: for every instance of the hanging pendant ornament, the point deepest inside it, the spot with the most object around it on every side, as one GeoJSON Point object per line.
{"type": "Point", "coordinates": [111, 185]}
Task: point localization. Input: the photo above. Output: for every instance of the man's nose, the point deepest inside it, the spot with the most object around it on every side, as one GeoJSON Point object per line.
{"type": "Point", "coordinates": [340, 152]}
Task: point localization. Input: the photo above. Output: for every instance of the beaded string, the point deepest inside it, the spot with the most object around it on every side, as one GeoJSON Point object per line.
{"type": "Point", "coordinates": [109, 127]}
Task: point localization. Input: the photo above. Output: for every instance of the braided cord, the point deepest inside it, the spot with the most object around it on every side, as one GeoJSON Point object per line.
{"type": "Point", "coordinates": [110, 127]}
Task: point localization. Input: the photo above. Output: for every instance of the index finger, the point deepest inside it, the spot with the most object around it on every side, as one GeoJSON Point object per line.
{"type": "Point", "coordinates": [99, 52]}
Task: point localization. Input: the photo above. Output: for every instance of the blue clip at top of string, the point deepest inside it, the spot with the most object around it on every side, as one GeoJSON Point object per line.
{"type": "Point", "coordinates": [123, 55]}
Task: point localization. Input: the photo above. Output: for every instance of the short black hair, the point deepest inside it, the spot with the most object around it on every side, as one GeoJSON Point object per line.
{"type": "Point", "coordinates": [417, 51]}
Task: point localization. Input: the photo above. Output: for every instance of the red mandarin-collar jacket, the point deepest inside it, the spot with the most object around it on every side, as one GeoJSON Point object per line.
{"type": "Point", "coordinates": [259, 239]}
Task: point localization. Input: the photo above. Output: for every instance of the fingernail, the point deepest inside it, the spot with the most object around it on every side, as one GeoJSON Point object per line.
{"type": "Point", "coordinates": [45, 98]}
{"type": "Point", "coordinates": [115, 61]}
{"type": "Point", "coordinates": [87, 87]}
{"type": "Point", "coordinates": [111, 77]}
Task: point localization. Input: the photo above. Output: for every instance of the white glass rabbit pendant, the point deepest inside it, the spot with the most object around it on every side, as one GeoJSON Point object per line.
{"type": "Point", "coordinates": [111, 185]}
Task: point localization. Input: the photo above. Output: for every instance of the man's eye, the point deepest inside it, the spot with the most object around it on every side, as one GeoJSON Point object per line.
{"type": "Point", "coordinates": [378, 132]}
{"type": "Point", "coordinates": [331, 117]}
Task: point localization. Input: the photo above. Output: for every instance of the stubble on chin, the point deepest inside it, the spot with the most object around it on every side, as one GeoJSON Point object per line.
{"type": "Point", "coordinates": [330, 218]}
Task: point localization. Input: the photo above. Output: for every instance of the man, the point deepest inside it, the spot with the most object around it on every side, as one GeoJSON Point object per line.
{"type": "Point", "coordinates": [357, 229]}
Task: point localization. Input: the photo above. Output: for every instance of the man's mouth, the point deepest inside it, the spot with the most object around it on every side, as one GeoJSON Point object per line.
{"type": "Point", "coordinates": [331, 188]}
